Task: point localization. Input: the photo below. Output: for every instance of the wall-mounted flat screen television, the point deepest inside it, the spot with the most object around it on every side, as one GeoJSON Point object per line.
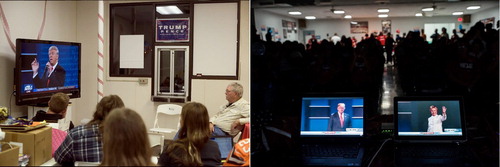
{"type": "Point", "coordinates": [44, 68]}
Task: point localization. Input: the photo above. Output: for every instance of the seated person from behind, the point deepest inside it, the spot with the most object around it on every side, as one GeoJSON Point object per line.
{"type": "Point", "coordinates": [58, 105]}
{"type": "Point", "coordinates": [231, 117]}
{"type": "Point", "coordinates": [193, 147]}
{"type": "Point", "coordinates": [84, 142]}
{"type": "Point", "coordinates": [339, 121]}
{"type": "Point", "coordinates": [123, 127]}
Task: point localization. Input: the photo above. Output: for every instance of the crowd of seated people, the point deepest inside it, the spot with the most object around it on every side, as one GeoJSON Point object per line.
{"type": "Point", "coordinates": [107, 137]}
{"type": "Point", "coordinates": [466, 65]}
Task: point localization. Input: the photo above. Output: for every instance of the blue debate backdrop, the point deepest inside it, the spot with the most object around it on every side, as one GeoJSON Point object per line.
{"type": "Point", "coordinates": [316, 112]}
{"type": "Point", "coordinates": [68, 59]}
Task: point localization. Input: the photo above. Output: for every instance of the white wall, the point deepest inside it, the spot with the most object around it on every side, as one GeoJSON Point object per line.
{"type": "Point", "coordinates": [491, 12]}
{"type": "Point", "coordinates": [404, 24]}
{"type": "Point", "coordinates": [267, 19]}
{"type": "Point", "coordinates": [77, 21]}
{"type": "Point", "coordinates": [342, 26]}
{"type": "Point", "coordinates": [25, 19]}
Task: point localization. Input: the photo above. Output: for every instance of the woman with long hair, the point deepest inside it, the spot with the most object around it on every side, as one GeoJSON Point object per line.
{"type": "Point", "coordinates": [122, 128]}
{"type": "Point", "coordinates": [84, 142]}
{"type": "Point", "coordinates": [194, 140]}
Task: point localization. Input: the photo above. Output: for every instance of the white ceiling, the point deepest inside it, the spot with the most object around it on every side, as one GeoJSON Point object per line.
{"type": "Point", "coordinates": [368, 8]}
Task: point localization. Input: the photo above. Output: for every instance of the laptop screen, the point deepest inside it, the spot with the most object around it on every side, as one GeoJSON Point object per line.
{"type": "Point", "coordinates": [331, 116]}
{"type": "Point", "coordinates": [429, 117]}
{"type": "Point", "coordinates": [225, 145]}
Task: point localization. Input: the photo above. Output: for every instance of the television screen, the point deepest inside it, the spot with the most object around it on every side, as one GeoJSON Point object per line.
{"type": "Point", "coordinates": [332, 115]}
{"type": "Point", "coordinates": [44, 68]}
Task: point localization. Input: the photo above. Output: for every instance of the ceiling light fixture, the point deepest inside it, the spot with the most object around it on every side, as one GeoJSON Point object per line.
{"type": "Point", "coordinates": [294, 13]}
{"type": "Point", "coordinates": [383, 15]}
{"type": "Point", "coordinates": [473, 7]}
{"type": "Point", "coordinates": [383, 10]}
{"type": "Point", "coordinates": [418, 14]}
{"type": "Point", "coordinates": [427, 9]}
{"type": "Point", "coordinates": [457, 13]}
{"type": "Point", "coordinates": [168, 10]}
{"type": "Point", "coordinates": [310, 17]}
{"type": "Point", "coordinates": [347, 17]}
{"type": "Point", "coordinates": [353, 22]}
{"type": "Point", "coordinates": [338, 11]}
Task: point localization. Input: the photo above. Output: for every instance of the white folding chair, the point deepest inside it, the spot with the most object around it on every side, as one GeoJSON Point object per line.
{"type": "Point", "coordinates": [171, 110]}
{"type": "Point", "coordinates": [156, 139]}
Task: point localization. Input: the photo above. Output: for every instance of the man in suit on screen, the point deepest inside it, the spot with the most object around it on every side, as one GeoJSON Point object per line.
{"type": "Point", "coordinates": [54, 74]}
{"type": "Point", "coordinates": [339, 121]}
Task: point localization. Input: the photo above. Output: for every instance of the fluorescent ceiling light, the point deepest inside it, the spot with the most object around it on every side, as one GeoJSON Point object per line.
{"type": "Point", "coordinates": [383, 10]}
{"type": "Point", "coordinates": [418, 14]}
{"type": "Point", "coordinates": [457, 13]}
{"type": "Point", "coordinates": [339, 11]}
{"type": "Point", "coordinates": [167, 10]}
{"type": "Point", "coordinates": [295, 13]}
{"type": "Point", "coordinates": [347, 16]}
{"type": "Point", "coordinates": [353, 22]}
{"type": "Point", "coordinates": [310, 17]}
{"type": "Point", "coordinates": [383, 15]}
{"type": "Point", "coordinates": [428, 9]}
{"type": "Point", "coordinates": [473, 7]}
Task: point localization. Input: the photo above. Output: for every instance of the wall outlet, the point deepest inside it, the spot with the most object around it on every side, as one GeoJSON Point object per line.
{"type": "Point", "coordinates": [143, 81]}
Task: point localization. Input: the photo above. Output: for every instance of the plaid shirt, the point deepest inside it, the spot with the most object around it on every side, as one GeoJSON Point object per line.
{"type": "Point", "coordinates": [83, 143]}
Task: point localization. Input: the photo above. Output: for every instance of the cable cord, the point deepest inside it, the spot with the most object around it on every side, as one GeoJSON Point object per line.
{"type": "Point", "coordinates": [380, 148]}
{"type": "Point", "coordinates": [10, 104]}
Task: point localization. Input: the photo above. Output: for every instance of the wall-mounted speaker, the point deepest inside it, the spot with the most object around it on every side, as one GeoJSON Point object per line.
{"type": "Point", "coordinates": [302, 23]}
{"type": "Point", "coordinates": [466, 18]}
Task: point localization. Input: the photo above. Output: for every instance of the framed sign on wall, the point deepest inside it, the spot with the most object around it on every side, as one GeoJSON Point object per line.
{"type": "Point", "coordinates": [386, 26]}
{"type": "Point", "coordinates": [172, 30]}
{"type": "Point", "coordinates": [359, 27]}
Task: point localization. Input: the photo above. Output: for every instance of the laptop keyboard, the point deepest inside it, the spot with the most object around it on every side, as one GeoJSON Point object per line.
{"type": "Point", "coordinates": [340, 151]}
{"type": "Point", "coordinates": [432, 151]}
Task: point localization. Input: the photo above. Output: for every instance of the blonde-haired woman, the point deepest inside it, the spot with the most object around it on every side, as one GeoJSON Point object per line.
{"type": "Point", "coordinates": [125, 140]}
{"type": "Point", "coordinates": [194, 140]}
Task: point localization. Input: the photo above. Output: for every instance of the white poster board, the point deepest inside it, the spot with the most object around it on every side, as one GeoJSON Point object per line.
{"type": "Point", "coordinates": [132, 51]}
{"type": "Point", "coordinates": [215, 35]}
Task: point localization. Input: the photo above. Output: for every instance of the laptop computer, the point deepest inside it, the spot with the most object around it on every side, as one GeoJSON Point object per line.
{"type": "Point", "coordinates": [429, 131]}
{"type": "Point", "coordinates": [326, 142]}
{"type": "Point", "coordinates": [225, 145]}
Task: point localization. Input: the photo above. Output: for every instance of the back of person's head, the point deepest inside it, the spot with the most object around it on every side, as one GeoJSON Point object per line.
{"type": "Point", "coordinates": [58, 102]}
{"type": "Point", "coordinates": [237, 88]}
{"type": "Point", "coordinates": [177, 154]}
{"type": "Point", "coordinates": [443, 29]}
{"type": "Point", "coordinates": [195, 124]}
{"type": "Point", "coordinates": [105, 106]}
{"type": "Point", "coordinates": [123, 127]}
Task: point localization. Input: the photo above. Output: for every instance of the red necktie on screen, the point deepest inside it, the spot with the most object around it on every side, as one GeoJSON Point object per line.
{"type": "Point", "coordinates": [48, 74]}
{"type": "Point", "coordinates": [342, 120]}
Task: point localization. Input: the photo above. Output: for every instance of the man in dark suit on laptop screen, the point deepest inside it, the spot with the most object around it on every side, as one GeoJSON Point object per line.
{"type": "Point", "coordinates": [339, 121]}
{"type": "Point", "coordinates": [54, 74]}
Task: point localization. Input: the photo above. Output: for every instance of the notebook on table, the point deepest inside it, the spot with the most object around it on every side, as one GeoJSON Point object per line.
{"type": "Point", "coordinates": [325, 142]}
{"type": "Point", "coordinates": [425, 135]}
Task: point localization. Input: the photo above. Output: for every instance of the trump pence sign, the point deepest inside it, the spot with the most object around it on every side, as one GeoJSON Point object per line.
{"type": "Point", "coordinates": [172, 30]}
